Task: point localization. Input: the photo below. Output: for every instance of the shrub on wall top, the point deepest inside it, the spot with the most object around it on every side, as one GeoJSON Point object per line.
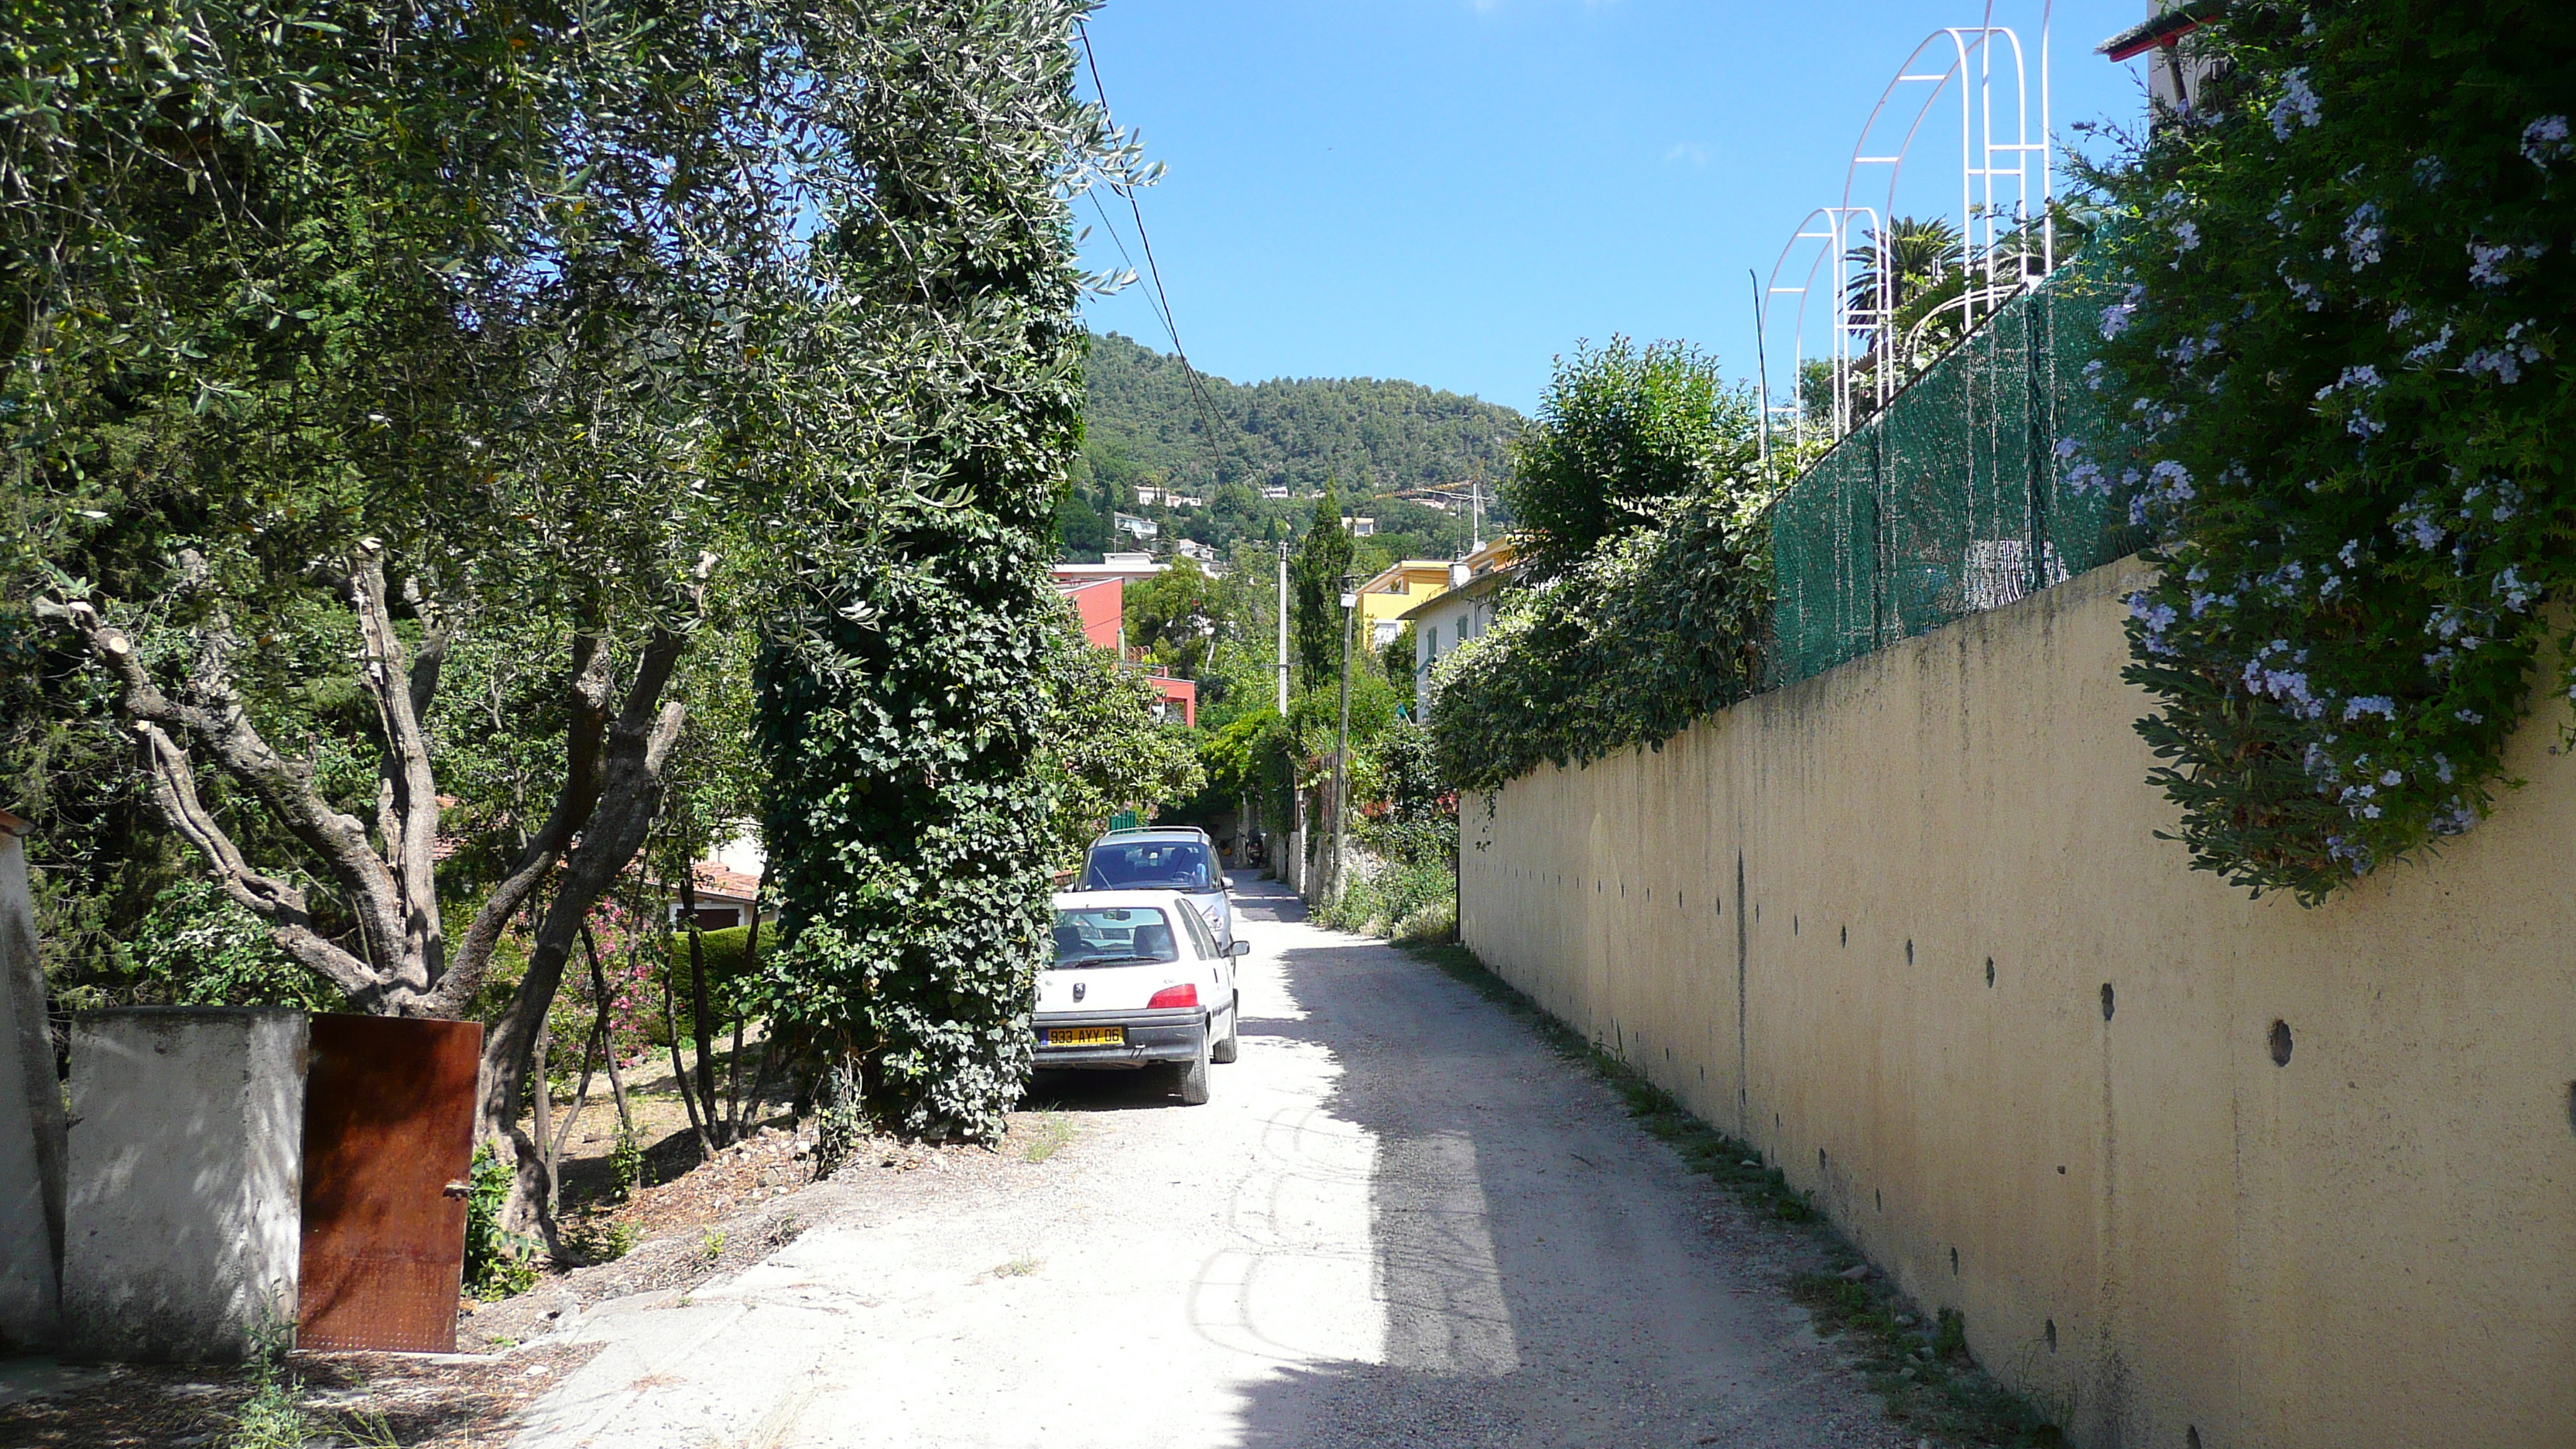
{"type": "Point", "coordinates": [2336, 359]}
{"type": "Point", "coordinates": [1651, 631]}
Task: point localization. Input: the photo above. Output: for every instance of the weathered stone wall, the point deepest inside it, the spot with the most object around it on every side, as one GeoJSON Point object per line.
{"type": "Point", "coordinates": [1907, 928]}
{"type": "Point", "coordinates": [31, 1117]}
{"type": "Point", "coordinates": [187, 1139]}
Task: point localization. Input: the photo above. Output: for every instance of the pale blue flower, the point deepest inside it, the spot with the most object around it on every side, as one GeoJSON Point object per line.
{"type": "Point", "coordinates": [2362, 235]}
{"type": "Point", "coordinates": [2431, 347]}
{"type": "Point", "coordinates": [2298, 105]}
{"type": "Point", "coordinates": [2545, 140]}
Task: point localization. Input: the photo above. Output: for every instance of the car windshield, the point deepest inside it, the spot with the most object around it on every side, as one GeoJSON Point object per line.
{"type": "Point", "coordinates": [1180, 865]}
{"type": "Point", "coordinates": [1113, 936]}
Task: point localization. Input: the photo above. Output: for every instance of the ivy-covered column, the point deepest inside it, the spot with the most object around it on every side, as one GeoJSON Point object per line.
{"type": "Point", "coordinates": [901, 713]}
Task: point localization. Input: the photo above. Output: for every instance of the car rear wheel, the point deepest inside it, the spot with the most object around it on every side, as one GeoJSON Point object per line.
{"type": "Point", "coordinates": [1194, 1077]}
{"type": "Point", "coordinates": [1226, 1050]}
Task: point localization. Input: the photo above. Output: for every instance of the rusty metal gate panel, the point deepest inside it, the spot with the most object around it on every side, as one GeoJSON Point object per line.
{"type": "Point", "coordinates": [388, 1144]}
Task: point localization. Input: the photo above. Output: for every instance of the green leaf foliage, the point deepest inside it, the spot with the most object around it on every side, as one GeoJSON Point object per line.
{"type": "Point", "coordinates": [1622, 432]}
{"type": "Point", "coordinates": [1316, 619]}
{"type": "Point", "coordinates": [195, 947]}
{"type": "Point", "coordinates": [1649, 632]}
{"type": "Point", "coordinates": [2340, 353]}
{"type": "Point", "coordinates": [1647, 583]}
{"type": "Point", "coordinates": [1175, 616]}
{"type": "Point", "coordinates": [903, 717]}
{"type": "Point", "coordinates": [1106, 750]}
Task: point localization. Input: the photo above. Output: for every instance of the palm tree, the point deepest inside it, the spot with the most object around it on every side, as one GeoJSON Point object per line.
{"type": "Point", "coordinates": [1920, 253]}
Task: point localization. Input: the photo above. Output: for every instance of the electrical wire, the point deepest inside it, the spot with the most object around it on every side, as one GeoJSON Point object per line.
{"type": "Point", "coordinates": [1154, 271]}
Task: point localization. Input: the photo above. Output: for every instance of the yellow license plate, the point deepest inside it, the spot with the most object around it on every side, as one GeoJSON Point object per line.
{"type": "Point", "coordinates": [1086, 1036]}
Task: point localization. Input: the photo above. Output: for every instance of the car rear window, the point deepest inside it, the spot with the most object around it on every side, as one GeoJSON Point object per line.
{"type": "Point", "coordinates": [1113, 936]}
{"type": "Point", "coordinates": [1176, 865]}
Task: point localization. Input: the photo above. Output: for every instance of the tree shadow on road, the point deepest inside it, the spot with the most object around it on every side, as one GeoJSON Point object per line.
{"type": "Point", "coordinates": [1547, 1274]}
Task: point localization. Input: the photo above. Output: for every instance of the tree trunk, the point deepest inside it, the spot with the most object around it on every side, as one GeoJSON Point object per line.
{"type": "Point", "coordinates": [630, 797]}
{"type": "Point", "coordinates": [680, 1076]}
{"type": "Point", "coordinates": [608, 1035]}
{"type": "Point", "coordinates": [542, 1118]}
{"type": "Point", "coordinates": [701, 1017]}
{"type": "Point", "coordinates": [750, 963]}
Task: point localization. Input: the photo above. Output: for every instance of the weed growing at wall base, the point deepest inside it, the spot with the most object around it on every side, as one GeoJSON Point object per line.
{"type": "Point", "coordinates": [1927, 1378]}
{"type": "Point", "coordinates": [1402, 902]}
{"type": "Point", "coordinates": [498, 1262]}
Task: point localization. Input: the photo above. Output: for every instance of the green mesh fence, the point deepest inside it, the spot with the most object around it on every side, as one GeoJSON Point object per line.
{"type": "Point", "coordinates": [1951, 499]}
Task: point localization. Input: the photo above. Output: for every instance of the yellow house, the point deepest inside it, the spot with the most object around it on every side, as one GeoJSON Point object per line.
{"type": "Point", "coordinates": [1386, 597]}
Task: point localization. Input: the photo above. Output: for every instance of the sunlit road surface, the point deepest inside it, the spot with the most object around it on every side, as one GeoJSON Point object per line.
{"type": "Point", "coordinates": [1402, 1221]}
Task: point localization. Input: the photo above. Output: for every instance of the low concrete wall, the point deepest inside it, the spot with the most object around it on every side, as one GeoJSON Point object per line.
{"type": "Point", "coordinates": [1907, 927]}
{"type": "Point", "coordinates": [31, 1117]}
{"type": "Point", "coordinates": [187, 1131]}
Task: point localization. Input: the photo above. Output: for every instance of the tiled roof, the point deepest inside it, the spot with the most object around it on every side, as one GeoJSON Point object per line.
{"type": "Point", "coordinates": [724, 881]}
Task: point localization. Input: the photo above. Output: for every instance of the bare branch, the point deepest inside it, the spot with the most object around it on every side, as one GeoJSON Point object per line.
{"type": "Point", "coordinates": [279, 903]}
{"type": "Point", "coordinates": [213, 713]}
{"type": "Point", "coordinates": [408, 795]}
{"type": "Point", "coordinates": [426, 664]}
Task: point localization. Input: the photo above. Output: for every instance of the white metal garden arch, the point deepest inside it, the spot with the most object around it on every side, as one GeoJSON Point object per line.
{"type": "Point", "coordinates": [2002, 208]}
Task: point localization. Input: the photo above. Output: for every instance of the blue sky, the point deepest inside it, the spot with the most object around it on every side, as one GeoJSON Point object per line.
{"type": "Point", "coordinates": [1454, 191]}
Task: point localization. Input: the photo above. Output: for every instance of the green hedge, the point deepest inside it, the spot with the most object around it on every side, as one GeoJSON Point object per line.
{"type": "Point", "coordinates": [734, 988]}
{"type": "Point", "coordinates": [1651, 631]}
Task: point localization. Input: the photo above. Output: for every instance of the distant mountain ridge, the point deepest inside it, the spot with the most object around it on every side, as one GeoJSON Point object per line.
{"type": "Point", "coordinates": [1372, 436]}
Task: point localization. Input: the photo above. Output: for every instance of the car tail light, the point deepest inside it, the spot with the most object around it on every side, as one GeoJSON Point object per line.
{"type": "Point", "coordinates": [1185, 994]}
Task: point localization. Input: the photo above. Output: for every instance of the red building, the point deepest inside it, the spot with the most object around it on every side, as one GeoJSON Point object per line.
{"type": "Point", "coordinates": [1098, 593]}
{"type": "Point", "coordinates": [1101, 604]}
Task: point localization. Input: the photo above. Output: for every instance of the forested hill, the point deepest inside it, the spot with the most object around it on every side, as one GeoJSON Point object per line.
{"type": "Point", "coordinates": [1374, 438]}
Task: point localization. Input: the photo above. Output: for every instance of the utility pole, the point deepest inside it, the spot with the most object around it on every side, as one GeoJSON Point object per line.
{"type": "Point", "coordinates": [1342, 745]}
{"type": "Point", "coordinates": [1476, 506]}
{"type": "Point", "coordinates": [1294, 871]}
{"type": "Point", "coordinates": [1762, 372]}
{"type": "Point", "coordinates": [1283, 629]}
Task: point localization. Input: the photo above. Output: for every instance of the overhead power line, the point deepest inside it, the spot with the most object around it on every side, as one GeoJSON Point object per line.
{"type": "Point", "coordinates": [1153, 270]}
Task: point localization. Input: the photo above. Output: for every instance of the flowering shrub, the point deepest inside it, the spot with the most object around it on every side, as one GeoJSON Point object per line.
{"type": "Point", "coordinates": [629, 944]}
{"type": "Point", "coordinates": [2336, 364]}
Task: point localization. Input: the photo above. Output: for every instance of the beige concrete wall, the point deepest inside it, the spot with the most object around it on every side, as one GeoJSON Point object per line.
{"type": "Point", "coordinates": [1786, 917]}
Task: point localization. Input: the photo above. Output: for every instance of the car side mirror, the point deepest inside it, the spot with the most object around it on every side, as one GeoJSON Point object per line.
{"type": "Point", "coordinates": [1238, 948]}
{"type": "Point", "coordinates": [1225, 882]}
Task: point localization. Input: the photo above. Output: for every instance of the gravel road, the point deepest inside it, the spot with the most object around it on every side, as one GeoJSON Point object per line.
{"type": "Point", "coordinates": [1402, 1221]}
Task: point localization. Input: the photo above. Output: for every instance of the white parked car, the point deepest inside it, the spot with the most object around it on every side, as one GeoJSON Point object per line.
{"type": "Point", "coordinates": [1138, 980]}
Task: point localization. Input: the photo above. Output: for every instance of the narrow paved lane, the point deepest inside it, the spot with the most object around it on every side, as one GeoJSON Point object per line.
{"type": "Point", "coordinates": [1402, 1221]}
